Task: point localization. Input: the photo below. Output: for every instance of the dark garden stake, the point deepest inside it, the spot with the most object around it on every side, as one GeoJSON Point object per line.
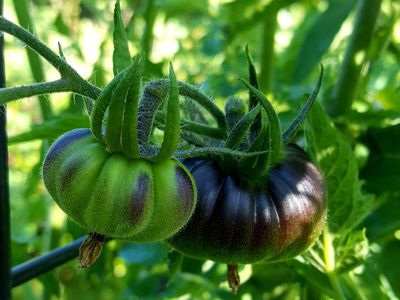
{"type": "Point", "coordinates": [5, 242]}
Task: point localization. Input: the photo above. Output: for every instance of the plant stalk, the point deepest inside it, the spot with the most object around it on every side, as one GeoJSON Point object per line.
{"type": "Point", "coordinates": [5, 235]}
{"type": "Point", "coordinates": [345, 90]}
{"type": "Point", "coordinates": [329, 255]}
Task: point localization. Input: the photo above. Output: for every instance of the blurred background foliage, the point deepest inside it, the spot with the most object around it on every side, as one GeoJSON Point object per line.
{"type": "Point", "coordinates": [205, 39]}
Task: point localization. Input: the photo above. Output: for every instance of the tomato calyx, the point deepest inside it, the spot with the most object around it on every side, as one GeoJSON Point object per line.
{"type": "Point", "coordinates": [121, 98]}
{"type": "Point", "coordinates": [250, 133]}
{"type": "Point", "coordinates": [233, 277]}
{"type": "Point", "coordinates": [90, 249]}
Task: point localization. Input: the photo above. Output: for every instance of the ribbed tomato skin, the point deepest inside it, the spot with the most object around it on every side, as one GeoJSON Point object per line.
{"type": "Point", "coordinates": [110, 194]}
{"type": "Point", "coordinates": [233, 223]}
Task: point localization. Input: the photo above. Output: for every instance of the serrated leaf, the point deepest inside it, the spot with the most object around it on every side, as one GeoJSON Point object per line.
{"type": "Point", "coordinates": [121, 55]}
{"type": "Point", "coordinates": [320, 36]}
{"type": "Point", "coordinates": [352, 252]}
{"type": "Point", "coordinates": [52, 128]}
{"type": "Point", "coordinates": [347, 206]}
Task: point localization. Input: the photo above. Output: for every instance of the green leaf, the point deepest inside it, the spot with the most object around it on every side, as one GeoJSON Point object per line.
{"type": "Point", "coordinates": [347, 205]}
{"type": "Point", "coordinates": [320, 36]}
{"type": "Point", "coordinates": [121, 55]}
{"type": "Point", "coordinates": [52, 128]}
{"type": "Point", "coordinates": [352, 252]}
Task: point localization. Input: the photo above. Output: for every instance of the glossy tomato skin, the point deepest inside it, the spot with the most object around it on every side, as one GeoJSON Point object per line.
{"type": "Point", "coordinates": [233, 223]}
{"type": "Point", "coordinates": [110, 194]}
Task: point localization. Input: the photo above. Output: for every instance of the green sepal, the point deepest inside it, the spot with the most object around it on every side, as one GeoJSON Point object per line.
{"type": "Point", "coordinates": [129, 134]}
{"type": "Point", "coordinates": [116, 110]}
{"type": "Point", "coordinates": [100, 107]}
{"type": "Point", "coordinates": [235, 109]}
{"type": "Point", "coordinates": [121, 56]}
{"type": "Point", "coordinates": [154, 94]}
{"type": "Point", "coordinates": [289, 133]}
{"type": "Point", "coordinates": [172, 122]}
{"type": "Point", "coordinates": [237, 134]}
{"type": "Point", "coordinates": [255, 128]}
{"type": "Point", "coordinates": [273, 123]}
{"type": "Point", "coordinates": [257, 167]}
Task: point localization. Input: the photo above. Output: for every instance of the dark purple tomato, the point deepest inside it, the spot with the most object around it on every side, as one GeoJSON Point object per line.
{"type": "Point", "coordinates": [234, 223]}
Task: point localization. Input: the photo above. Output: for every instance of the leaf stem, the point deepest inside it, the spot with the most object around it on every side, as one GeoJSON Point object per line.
{"type": "Point", "coordinates": [14, 93]}
{"type": "Point", "coordinates": [76, 83]}
{"type": "Point", "coordinates": [329, 255]}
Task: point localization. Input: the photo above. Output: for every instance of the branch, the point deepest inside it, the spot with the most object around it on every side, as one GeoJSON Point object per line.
{"type": "Point", "coordinates": [15, 93]}
{"type": "Point", "coordinates": [77, 83]}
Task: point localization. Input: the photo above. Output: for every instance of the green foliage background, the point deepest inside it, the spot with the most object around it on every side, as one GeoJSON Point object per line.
{"type": "Point", "coordinates": [357, 147]}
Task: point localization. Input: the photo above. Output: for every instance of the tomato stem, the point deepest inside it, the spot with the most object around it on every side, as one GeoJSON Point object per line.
{"type": "Point", "coordinates": [216, 151]}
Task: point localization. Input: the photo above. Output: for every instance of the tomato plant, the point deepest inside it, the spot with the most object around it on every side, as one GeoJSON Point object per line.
{"type": "Point", "coordinates": [278, 201]}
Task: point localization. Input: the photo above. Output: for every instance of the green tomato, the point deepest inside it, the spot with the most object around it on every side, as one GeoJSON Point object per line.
{"type": "Point", "coordinates": [119, 197]}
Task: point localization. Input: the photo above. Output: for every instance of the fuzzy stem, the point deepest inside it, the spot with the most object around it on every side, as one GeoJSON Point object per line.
{"type": "Point", "coordinates": [153, 95]}
{"type": "Point", "coordinates": [216, 151]}
{"type": "Point", "coordinates": [189, 91]}
{"type": "Point", "coordinates": [345, 90]}
{"type": "Point", "coordinates": [76, 82]}
{"type": "Point", "coordinates": [14, 93]}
